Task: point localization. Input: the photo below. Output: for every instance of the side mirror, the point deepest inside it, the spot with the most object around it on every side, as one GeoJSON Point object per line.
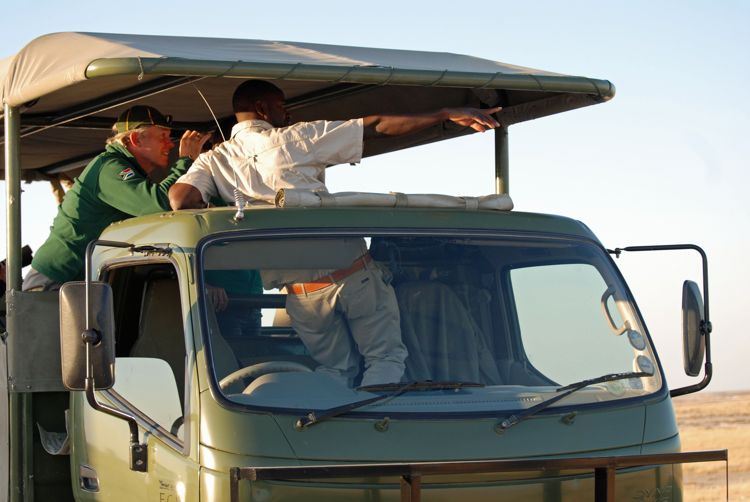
{"type": "Point", "coordinates": [693, 321]}
{"type": "Point", "coordinates": [73, 332]}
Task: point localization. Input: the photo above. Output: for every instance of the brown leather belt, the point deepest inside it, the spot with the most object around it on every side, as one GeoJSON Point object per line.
{"type": "Point", "coordinates": [335, 276]}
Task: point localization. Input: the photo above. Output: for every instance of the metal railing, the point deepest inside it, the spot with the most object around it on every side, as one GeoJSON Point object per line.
{"type": "Point", "coordinates": [603, 468]}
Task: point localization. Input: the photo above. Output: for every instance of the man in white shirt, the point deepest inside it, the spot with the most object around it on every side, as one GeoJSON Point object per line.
{"type": "Point", "coordinates": [266, 154]}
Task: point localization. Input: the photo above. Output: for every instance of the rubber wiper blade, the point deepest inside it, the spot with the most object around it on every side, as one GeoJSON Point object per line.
{"type": "Point", "coordinates": [392, 390]}
{"type": "Point", "coordinates": [564, 392]}
{"type": "Point", "coordinates": [610, 377]}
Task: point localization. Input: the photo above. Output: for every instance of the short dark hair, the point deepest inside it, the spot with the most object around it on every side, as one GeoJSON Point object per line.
{"type": "Point", "coordinates": [250, 91]}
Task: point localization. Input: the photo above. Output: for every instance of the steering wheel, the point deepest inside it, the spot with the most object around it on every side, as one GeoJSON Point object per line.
{"type": "Point", "coordinates": [259, 369]}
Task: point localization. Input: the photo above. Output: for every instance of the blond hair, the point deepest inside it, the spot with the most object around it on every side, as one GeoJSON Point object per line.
{"type": "Point", "coordinates": [120, 138]}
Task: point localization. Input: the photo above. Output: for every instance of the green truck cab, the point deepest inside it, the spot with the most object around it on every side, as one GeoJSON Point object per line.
{"type": "Point", "coordinates": [531, 374]}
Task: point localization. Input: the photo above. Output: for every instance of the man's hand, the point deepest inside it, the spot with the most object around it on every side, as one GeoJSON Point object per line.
{"type": "Point", "coordinates": [191, 143]}
{"type": "Point", "coordinates": [479, 119]}
{"type": "Point", "coordinates": [397, 125]}
{"type": "Point", "coordinates": [218, 297]}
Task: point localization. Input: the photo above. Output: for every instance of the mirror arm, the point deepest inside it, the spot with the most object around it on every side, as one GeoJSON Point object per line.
{"type": "Point", "coordinates": [138, 451]}
{"type": "Point", "coordinates": [689, 389]}
{"type": "Point", "coordinates": [705, 327]}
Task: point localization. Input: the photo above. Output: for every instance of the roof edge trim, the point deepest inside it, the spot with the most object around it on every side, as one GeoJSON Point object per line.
{"type": "Point", "coordinates": [374, 75]}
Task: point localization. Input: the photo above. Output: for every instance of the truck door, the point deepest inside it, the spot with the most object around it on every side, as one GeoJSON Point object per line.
{"type": "Point", "coordinates": [150, 385]}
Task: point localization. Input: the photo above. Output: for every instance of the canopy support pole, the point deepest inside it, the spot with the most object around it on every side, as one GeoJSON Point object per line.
{"type": "Point", "coordinates": [502, 179]}
{"type": "Point", "coordinates": [15, 449]}
{"type": "Point", "coordinates": [12, 198]}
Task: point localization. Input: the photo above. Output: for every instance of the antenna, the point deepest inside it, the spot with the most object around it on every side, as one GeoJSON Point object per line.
{"type": "Point", "coordinates": [239, 198]}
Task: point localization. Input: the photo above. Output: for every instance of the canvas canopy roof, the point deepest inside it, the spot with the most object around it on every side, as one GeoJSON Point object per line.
{"type": "Point", "coordinates": [70, 87]}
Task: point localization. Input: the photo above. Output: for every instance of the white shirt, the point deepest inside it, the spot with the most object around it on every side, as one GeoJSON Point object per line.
{"type": "Point", "coordinates": [267, 159]}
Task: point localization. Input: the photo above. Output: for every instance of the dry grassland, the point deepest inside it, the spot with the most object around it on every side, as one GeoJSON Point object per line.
{"type": "Point", "coordinates": [716, 421]}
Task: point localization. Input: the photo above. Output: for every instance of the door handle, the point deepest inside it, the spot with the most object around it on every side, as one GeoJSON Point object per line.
{"type": "Point", "coordinates": [87, 478]}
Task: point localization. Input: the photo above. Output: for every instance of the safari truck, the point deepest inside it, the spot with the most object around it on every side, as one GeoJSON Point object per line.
{"type": "Point", "coordinates": [530, 373]}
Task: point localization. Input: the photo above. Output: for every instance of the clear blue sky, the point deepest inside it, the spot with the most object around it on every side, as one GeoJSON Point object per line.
{"type": "Point", "coordinates": [666, 161]}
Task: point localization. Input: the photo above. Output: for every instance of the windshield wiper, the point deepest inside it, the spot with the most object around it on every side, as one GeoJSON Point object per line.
{"type": "Point", "coordinates": [563, 393]}
{"type": "Point", "coordinates": [393, 390]}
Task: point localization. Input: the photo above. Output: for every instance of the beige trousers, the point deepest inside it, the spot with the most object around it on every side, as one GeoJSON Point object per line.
{"type": "Point", "coordinates": [355, 318]}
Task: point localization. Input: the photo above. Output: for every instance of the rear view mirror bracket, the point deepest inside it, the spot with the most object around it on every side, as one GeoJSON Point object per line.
{"type": "Point", "coordinates": [704, 326]}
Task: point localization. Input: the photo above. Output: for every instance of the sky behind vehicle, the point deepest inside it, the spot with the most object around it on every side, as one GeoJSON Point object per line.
{"type": "Point", "coordinates": [664, 162]}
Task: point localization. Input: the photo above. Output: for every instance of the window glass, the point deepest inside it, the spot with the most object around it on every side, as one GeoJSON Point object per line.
{"type": "Point", "coordinates": [564, 331]}
{"type": "Point", "coordinates": [150, 342]}
{"type": "Point", "coordinates": [323, 322]}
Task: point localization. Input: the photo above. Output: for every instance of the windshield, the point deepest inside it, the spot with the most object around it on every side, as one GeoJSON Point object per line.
{"type": "Point", "coordinates": [309, 323]}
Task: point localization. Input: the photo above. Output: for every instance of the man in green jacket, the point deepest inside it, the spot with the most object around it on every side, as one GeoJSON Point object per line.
{"type": "Point", "coordinates": [131, 178]}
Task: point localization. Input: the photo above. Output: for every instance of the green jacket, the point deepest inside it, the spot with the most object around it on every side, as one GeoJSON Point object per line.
{"type": "Point", "coordinates": [113, 187]}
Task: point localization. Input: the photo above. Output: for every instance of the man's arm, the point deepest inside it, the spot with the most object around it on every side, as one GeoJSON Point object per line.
{"type": "Point", "coordinates": [125, 189]}
{"type": "Point", "coordinates": [196, 187]}
{"type": "Point", "coordinates": [396, 125]}
{"type": "Point", "coordinates": [185, 196]}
